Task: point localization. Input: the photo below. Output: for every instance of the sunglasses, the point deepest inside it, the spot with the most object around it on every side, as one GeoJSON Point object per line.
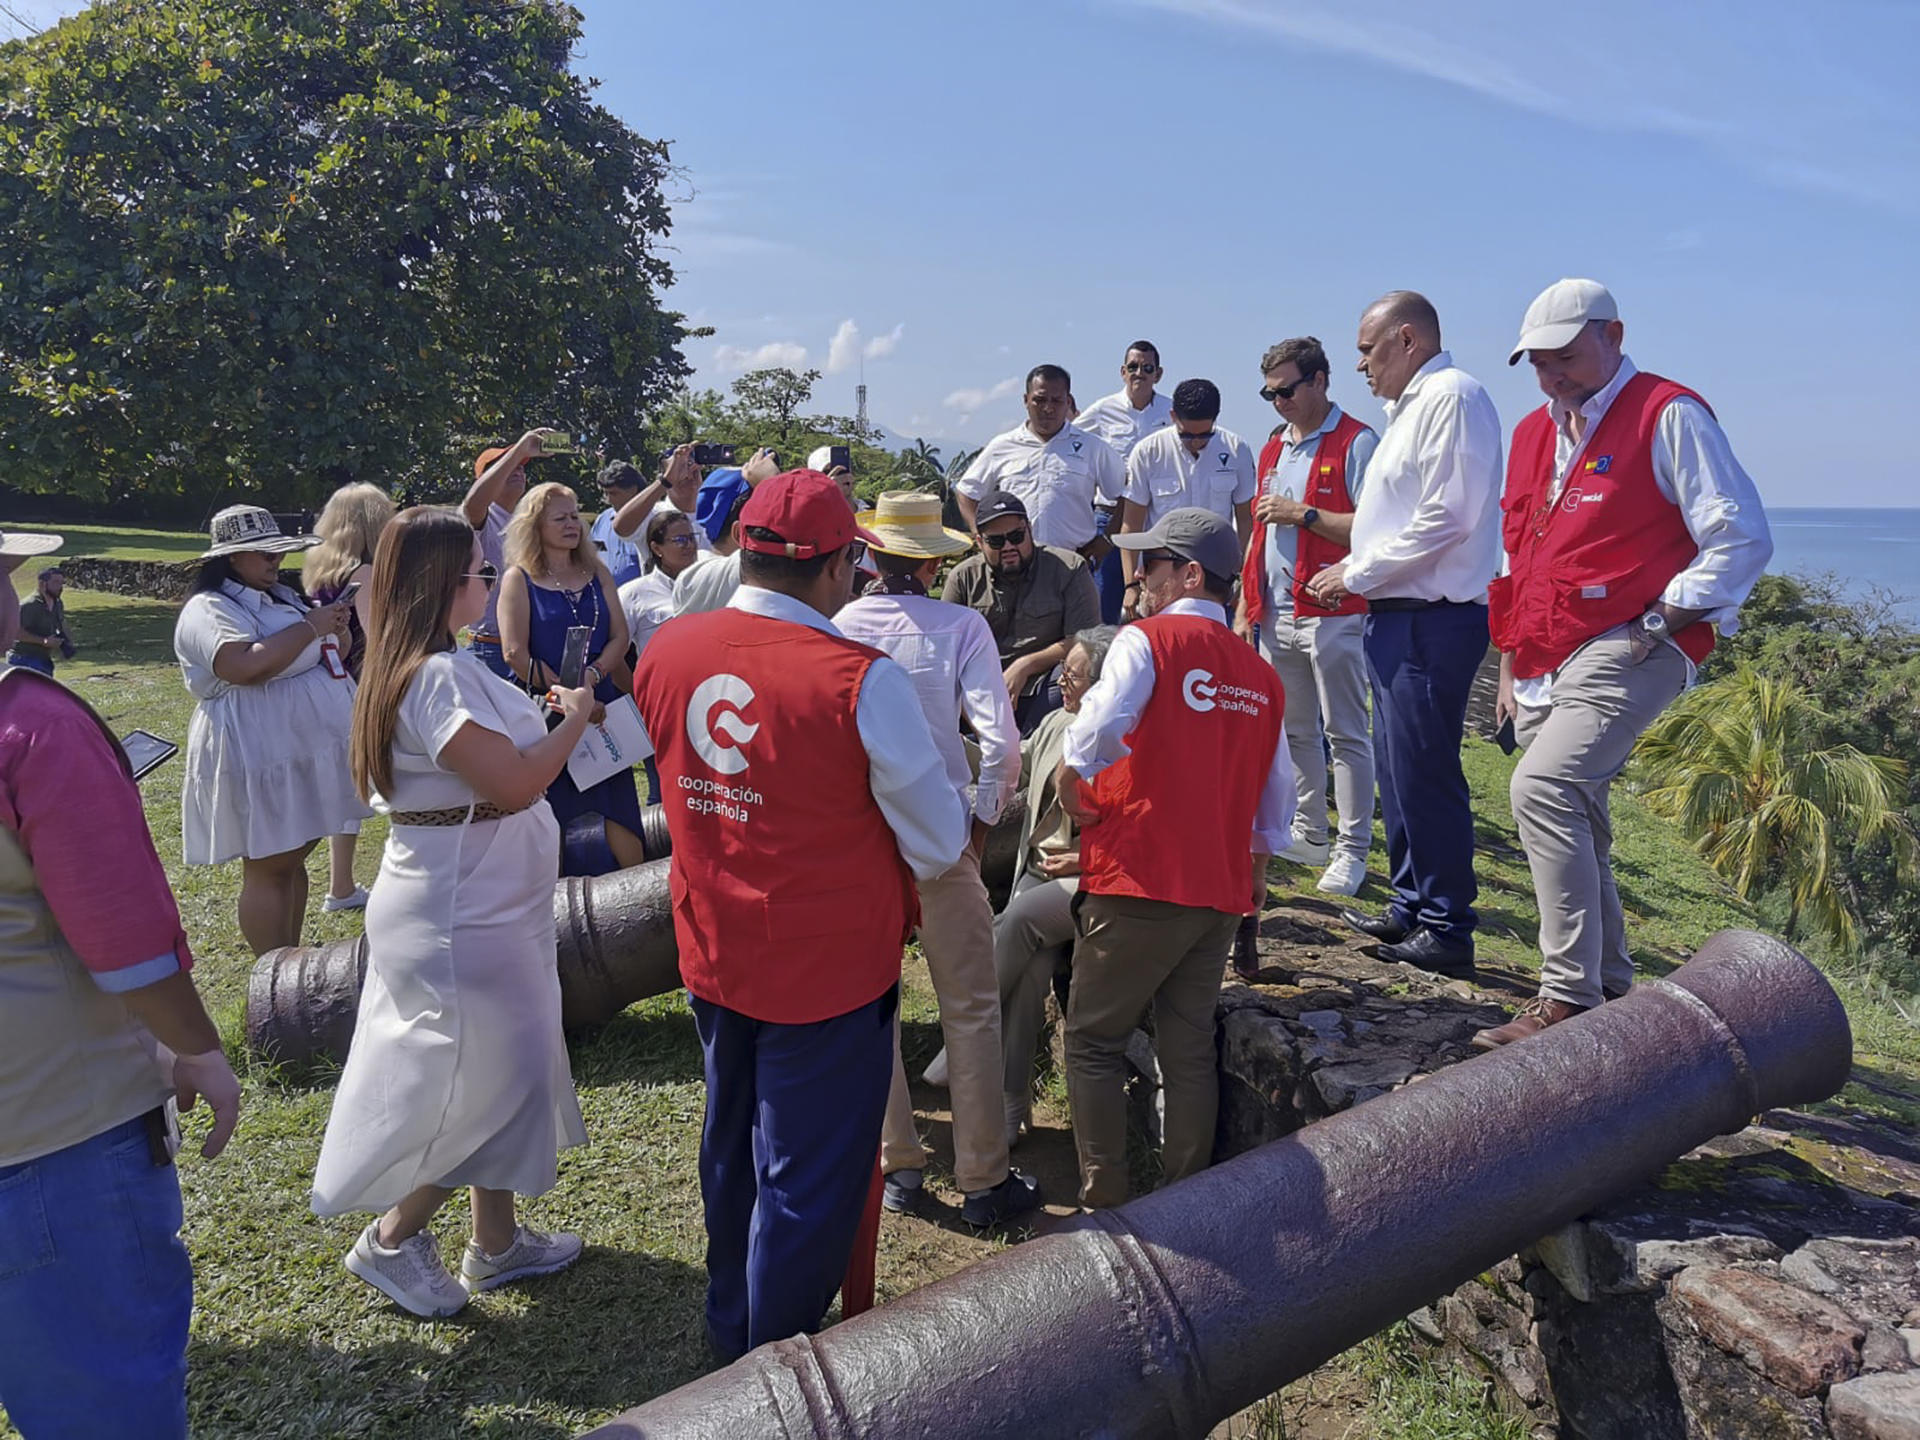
{"type": "Point", "coordinates": [1151, 558]}
{"type": "Point", "coordinates": [1271, 393]}
{"type": "Point", "coordinates": [857, 552]}
{"type": "Point", "coordinates": [1001, 541]}
{"type": "Point", "coordinates": [486, 574]}
{"type": "Point", "coordinates": [1195, 436]}
{"type": "Point", "coordinates": [1136, 368]}
{"type": "Point", "coordinates": [681, 540]}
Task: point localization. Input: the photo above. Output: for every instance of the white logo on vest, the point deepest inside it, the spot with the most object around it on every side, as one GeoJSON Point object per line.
{"type": "Point", "coordinates": [702, 722]}
{"type": "Point", "coordinates": [1203, 693]}
{"type": "Point", "coordinates": [1198, 690]}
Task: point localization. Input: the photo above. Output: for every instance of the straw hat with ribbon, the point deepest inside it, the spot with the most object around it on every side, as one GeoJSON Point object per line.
{"type": "Point", "coordinates": [240, 528]}
{"type": "Point", "coordinates": [18, 545]}
{"type": "Point", "coordinates": [907, 522]}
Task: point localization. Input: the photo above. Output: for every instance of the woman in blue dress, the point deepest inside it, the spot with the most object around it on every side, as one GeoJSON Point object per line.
{"type": "Point", "coordinates": [554, 581]}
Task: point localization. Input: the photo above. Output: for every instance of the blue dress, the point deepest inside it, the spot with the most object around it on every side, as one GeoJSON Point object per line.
{"type": "Point", "coordinates": [551, 614]}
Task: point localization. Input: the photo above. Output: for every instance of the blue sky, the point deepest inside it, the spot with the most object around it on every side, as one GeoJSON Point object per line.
{"type": "Point", "coordinates": [959, 193]}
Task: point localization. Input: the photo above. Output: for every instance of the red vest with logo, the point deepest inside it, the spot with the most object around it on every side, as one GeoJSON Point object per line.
{"type": "Point", "coordinates": [1603, 552]}
{"type": "Point", "coordinates": [790, 900]}
{"type": "Point", "coordinates": [1326, 490]}
{"type": "Point", "coordinates": [1176, 815]}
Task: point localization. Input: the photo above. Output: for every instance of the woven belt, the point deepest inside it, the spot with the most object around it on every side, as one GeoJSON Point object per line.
{"type": "Point", "coordinates": [458, 815]}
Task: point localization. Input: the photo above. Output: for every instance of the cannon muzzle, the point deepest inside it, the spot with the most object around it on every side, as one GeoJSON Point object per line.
{"type": "Point", "coordinates": [1167, 1315]}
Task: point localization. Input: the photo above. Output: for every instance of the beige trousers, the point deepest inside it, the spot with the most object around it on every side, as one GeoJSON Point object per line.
{"type": "Point", "coordinates": [1130, 954]}
{"type": "Point", "coordinates": [1322, 664]}
{"type": "Point", "coordinates": [1602, 701]}
{"type": "Point", "coordinates": [956, 936]}
{"type": "Point", "coordinates": [1027, 936]}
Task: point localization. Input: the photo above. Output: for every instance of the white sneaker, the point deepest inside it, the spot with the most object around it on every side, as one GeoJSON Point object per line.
{"type": "Point", "coordinates": [1345, 875]}
{"type": "Point", "coordinates": [936, 1071]}
{"type": "Point", "coordinates": [1304, 852]}
{"type": "Point", "coordinates": [531, 1253]}
{"type": "Point", "coordinates": [356, 901]}
{"type": "Point", "coordinates": [411, 1275]}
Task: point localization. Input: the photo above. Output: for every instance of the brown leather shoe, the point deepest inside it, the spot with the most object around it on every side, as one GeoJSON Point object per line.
{"type": "Point", "coordinates": [1536, 1015]}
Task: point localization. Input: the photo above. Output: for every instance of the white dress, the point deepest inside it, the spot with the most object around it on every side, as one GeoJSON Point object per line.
{"type": "Point", "coordinates": [458, 1070]}
{"type": "Point", "coordinates": [266, 764]}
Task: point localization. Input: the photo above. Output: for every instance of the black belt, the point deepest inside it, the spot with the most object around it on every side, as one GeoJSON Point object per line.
{"type": "Point", "coordinates": [1389, 605]}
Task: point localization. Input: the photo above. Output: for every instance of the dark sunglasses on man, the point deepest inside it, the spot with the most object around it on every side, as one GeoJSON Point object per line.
{"type": "Point", "coordinates": [1271, 393]}
{"type": "Point", "coordinates": [1134, 367]}
{"type": "Point", "coordinates": [1001, 541]}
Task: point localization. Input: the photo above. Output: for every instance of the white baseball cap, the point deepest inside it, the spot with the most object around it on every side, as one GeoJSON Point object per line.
{"type": "Point", "coordinates": [1558, 313]}
{"type": "Point", "coordinates": [821, 457]}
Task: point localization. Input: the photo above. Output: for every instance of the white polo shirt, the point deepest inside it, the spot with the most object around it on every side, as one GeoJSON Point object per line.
{"type": "Point", "coordinates": [1114, 420]}
{"type": "Point", "coordinates": [1162, 476]}
{"type": "Point", "coordinates": [1058, 480]}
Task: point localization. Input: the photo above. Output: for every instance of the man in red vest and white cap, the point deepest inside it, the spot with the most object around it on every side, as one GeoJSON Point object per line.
{"type": "Point", "coordinates": [1630, 532]}
{"type": "Point", "coordinates": [804, 795]}
{"type": "Point", "coordinates": [1176, 769]}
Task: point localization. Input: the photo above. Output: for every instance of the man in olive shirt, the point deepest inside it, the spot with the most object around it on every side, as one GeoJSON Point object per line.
{"type": "Point", "coordinates": [1036, 599]}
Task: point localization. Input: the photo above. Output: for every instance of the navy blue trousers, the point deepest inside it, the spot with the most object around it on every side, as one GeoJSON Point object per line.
{"type": "Point", "coordinates": [787, 1157]}
{"type": "Point", "coordinates": [1422, 663]}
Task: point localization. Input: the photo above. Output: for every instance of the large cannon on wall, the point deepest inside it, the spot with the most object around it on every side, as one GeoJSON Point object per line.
{"type": "Point", "coordinates": [616, 946]}
{"type": "Point", "coordinates": [1168, 1315]}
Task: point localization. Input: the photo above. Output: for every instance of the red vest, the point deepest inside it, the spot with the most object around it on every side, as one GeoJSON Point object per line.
{"type": "Point", "coordinates": [1605, 551]}
{"type": "Point", "coordinates": [790, 900]}
{"type": "Point", "coordinates": [1326, 490]}
{"type": "Point", "coordinates": [1176, 815]}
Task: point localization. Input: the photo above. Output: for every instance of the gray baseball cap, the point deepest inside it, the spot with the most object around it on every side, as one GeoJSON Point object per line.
{"type": "Point", "coordinates": [1192, 534]}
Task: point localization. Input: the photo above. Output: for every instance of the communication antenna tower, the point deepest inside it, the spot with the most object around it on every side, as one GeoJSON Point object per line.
{"type": "Point", "coordinates": [860, 404]}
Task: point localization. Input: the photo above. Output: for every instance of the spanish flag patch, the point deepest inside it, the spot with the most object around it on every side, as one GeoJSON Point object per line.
{"type": "Point", "coordinates": [1599, 465]}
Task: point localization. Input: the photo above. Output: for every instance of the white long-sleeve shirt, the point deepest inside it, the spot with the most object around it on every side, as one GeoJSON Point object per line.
{"type": "Point", "coordinates": [949, 654]}
{"type": "Point", "coordinates": [1427, 525]}
{"type": "Point", "coordinates": [1109, 712]}
{"type": "Point", "coordinates": [1694, 467]}
{"type": "Point", "coordinates": [904, 769]}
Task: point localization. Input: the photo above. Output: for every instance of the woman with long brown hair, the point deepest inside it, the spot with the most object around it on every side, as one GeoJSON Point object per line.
{"type": "Point", "coordinates": [349, 528]}
{"type": "Point", "coordinates": [457, 1075]}
{"type": "Point", "coordinates": [555, 580]}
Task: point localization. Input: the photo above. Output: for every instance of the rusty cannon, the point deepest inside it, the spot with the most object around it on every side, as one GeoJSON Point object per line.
{"type": "Point", "coordinates": [1173, 1312]}
{"type": "Point", "coordinates": [616, 946]}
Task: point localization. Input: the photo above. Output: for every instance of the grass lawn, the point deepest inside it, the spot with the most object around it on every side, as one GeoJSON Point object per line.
{"type": "Point", "coordinates": [286, 1344]}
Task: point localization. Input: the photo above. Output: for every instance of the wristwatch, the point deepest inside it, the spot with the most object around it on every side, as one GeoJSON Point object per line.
{"type": "Point", "coordinates": [1310, 519]}
{"type": "Point", "coordinates": [1653, 625]}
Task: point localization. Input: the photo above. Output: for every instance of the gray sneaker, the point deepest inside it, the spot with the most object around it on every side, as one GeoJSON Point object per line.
{"type": "Point", "coordinates": [531, 1253]}
{"type": "Point", "coordinates": [411, 1275]}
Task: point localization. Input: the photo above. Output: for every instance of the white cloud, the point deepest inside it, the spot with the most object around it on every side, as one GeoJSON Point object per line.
{"type": "Point", "coordinates": [971, 400]}
{"type": "Point", "coordinates": [1763, 101]}
{"type": "Point", "coordinates": [849, 346]}
{"type": "Point", "coordinates": [788, 353]}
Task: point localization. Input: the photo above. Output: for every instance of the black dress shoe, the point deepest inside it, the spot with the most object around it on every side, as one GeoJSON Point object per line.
{"type": "Point", "coordinates": [1427, 951]}
{"type": "Point", "coordinates": [1380, 927]}
{"type": "Point", "coordinates": [1246, 950]}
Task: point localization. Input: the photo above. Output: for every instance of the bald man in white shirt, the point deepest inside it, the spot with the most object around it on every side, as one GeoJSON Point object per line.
{"type": "Point", "coordinates": [1425, 545]}
{"type": "Point", "coordinates": [1631, 531]}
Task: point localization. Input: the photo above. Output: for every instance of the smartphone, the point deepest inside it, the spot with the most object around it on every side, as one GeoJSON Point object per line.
{"type": "Point", "coordinates": [1504, 737]}
{"type": "Point", "coordinates": [557, 444]}
{"type": "Point", "coordinates": [839, 457]}
{"type": "Point", "coordinates": [705, 454]}
{"type": "Point", "coordinates": [573, 656]}
{"type": "Point", "coordinates": [146, 750]}
{"type": "Point", "coordinates": [345, 597]}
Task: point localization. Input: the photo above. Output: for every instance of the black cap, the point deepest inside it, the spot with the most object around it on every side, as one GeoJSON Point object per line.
{"type": "Point", "coordinates": [997, 505]}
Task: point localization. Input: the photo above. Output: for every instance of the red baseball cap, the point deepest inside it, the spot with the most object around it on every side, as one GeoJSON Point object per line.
{"type": "Point", "coordinates": [806, 510]}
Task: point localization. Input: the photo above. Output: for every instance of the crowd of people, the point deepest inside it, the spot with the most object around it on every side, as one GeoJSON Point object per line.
{"type": "Point", "coordinates": [1184, 659]}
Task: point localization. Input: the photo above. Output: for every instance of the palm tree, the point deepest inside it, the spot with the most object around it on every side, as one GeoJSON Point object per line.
{"type": "Point", "coordinates": [1736, 763]}
{"type": "Point", "coordinates": [927, 455]}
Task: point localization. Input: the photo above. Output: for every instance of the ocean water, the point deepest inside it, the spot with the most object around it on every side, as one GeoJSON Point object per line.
{"type": "Point", "coordinates": [1863, 548]}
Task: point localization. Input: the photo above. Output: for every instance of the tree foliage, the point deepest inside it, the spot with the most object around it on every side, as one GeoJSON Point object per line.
{"type": "Point", "coordinates": [1740, 764]}
{"type": "Point", "coordinates": [262, 247]}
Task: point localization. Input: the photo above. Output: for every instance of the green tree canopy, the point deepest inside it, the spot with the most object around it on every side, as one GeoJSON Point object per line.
{"type": "Point", "coordinates": [263, 247]}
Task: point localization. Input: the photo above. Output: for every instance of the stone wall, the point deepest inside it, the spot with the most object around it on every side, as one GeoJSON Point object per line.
{"type": "Point", "coordinates": [1767, 1286]}
{"type": "Point", "coordinates": [147, 579]}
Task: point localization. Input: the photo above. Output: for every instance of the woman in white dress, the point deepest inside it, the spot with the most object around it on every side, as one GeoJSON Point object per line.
{"type": "Point", "coordinates": [457, 1075]}
{"type": "Point", "coordinates": [267, 747]}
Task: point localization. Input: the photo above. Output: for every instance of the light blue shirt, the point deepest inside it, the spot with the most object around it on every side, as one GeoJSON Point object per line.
{"type": "Point", "coordinates": [619, 553]}
{"type": "Point", "coordinates": [1290, 476]}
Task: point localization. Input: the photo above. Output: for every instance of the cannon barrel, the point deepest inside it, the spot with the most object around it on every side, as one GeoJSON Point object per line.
{"type": "Point", "coordinates": [616, 946]}
{"type": "Point", "coordinates": [1167, 1315]}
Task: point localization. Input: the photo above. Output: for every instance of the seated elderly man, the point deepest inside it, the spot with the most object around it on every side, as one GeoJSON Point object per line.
{"type": "Point", "coordinates": [1035, 598]}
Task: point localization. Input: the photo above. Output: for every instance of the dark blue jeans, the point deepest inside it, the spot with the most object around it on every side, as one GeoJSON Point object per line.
{"type": "Point", "coordinates": [95, 1292]}
{"type": "Point", "coordinates": [787, 1157]}
{"type": "Point", "coordinates": [489, 654]}
{"type": "Point", "coordinates": [1421, 664]}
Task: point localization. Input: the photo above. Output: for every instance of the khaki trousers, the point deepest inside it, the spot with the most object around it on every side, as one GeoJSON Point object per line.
{"type": "Point", "coordinates": [1130, 954]}
{"type": "Point", "coordinates": [956, 936]}
{"type": "Point", "coordinates": [1322, 664]}
{"type": "Point", "coordinates": [1027, 936]}
{"type": "Point", "coordinates": [1602, 701]}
